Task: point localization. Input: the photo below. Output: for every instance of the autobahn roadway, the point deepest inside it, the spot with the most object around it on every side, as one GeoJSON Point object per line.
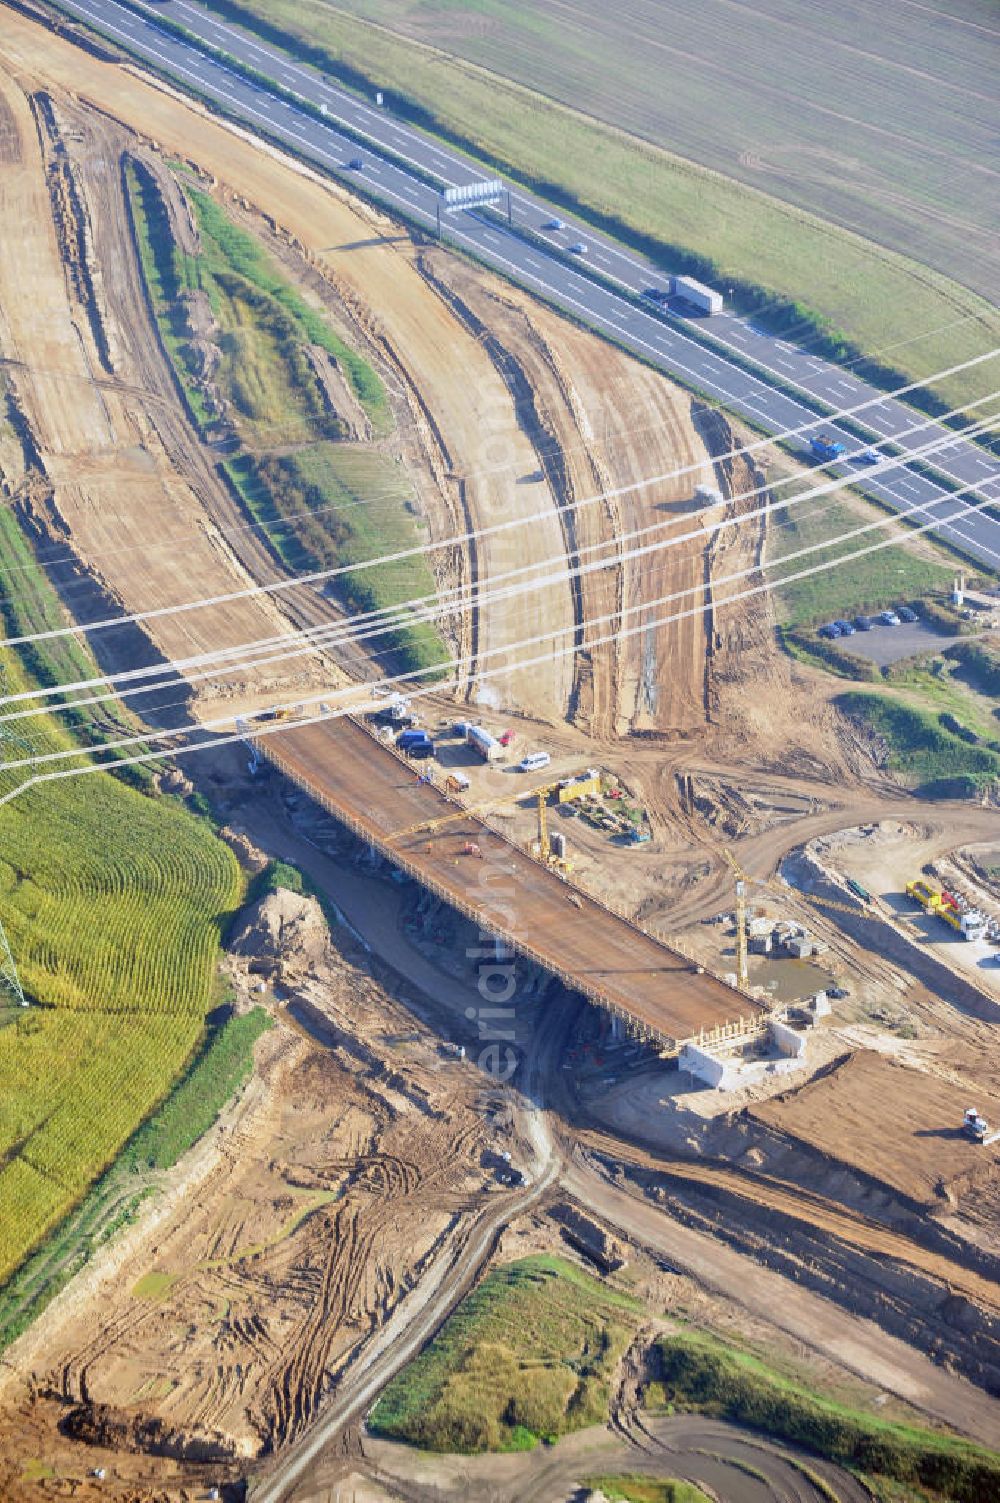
{"type": "Point", "coordinates": [398, 159]}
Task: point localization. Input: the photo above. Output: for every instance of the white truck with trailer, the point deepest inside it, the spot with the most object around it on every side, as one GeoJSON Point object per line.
{"type": "Point", "coordinates": [488, 747]}
{"type": "Point", "coordinates": [705, 299]}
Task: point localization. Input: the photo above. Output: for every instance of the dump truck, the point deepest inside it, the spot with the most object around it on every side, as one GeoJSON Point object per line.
{"type": "Point", "coordinates": [953, 910]}
{"type": "Point", "coordinates": [704, 299]}
{"type": "Point", "coordinates": [826, 448]}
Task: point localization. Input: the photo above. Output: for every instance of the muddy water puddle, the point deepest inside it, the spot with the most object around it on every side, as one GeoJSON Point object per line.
{"type": "Point", "coordinates": [789, 980]}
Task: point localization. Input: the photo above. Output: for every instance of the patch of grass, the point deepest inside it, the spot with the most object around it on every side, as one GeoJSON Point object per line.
{"type": "Point", "coordinates": [36, 1470]}
{"type": "Point", "coordinates": [638, 1489]}
{"type": "Point", "coordinates": [275, 875]}
{"type": "Point", "coordinates": [937, 761]}
{"type": "Point", "coordinates": [233, 253]}
{"type": "Point", "coordinates": [527, 1355]}
{"type": "Point", "coordinates": [864, 585]}
{"type": "Point", "coordinates": [934, 686]}
{"type": "Point", "coordinates": [153, 1285]}
{"type": "Point", "coordinates": [346, 505]}
{"type": "Point", "coordinates": [323, 504]}
{"type": "Point", "coordinates": [700, 1372]}
{"type": "Point", "coordinates": [223, 1065]}
{"type": "Point", "coordinates": [835, 287]}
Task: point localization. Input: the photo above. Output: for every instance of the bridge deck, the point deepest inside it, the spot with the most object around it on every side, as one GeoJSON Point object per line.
{"type": "Point", "coordinates": [591, 948]}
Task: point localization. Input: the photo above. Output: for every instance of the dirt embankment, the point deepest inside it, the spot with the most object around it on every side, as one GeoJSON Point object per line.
{"type": "Point", "coordinates": [103, 454]}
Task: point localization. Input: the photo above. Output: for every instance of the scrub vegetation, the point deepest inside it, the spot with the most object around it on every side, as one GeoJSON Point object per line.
{"type": "Point", "coordinates": [527, 1356]}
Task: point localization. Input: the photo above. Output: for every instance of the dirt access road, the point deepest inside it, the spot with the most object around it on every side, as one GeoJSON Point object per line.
{"type": "Point", "coordinates": [606, 957]}
{"type": "Point", "coordinates": [856, 1344]}
{"type": "Point", "coordinates": [736, 1465]}
{"type": "Point", "coordinates": [422, 1313]}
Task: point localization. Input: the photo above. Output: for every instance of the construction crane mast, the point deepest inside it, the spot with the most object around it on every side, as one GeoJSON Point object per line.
{"type": "Point", "coordinates": [742, 969]}
{"type": "Point", "coordinates": [544, 845]}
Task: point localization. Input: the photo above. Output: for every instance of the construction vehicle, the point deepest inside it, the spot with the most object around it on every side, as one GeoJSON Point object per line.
{"type": "Point", "coordinates": [639, 835]}
{"type": "Point", "coordinates": [977, 1129]}
{"type": "Point", "coordinates": [952, 908]}
{"type": "Point", "coordinates": [974, 1126]}
{"type": "Point", "coordinates": [825, 448]}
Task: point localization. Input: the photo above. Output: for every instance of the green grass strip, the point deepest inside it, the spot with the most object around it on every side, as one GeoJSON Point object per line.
{"type": "Point", "coordinates": [699, 1372]}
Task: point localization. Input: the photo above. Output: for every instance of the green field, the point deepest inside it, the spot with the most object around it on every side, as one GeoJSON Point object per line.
{"type": "Point", "coordinates": [921, 741]}
{"type": "Point", "coordinates": [321, 502]}
{"type": "Point", "coordinates": [702, 1373]}
{"type": "Point", "coordinates": [113, 903]}
{"type": "Point", "coordinates": [882, 578]}
{"type": "Point", "coordinates": [840, 126]}
{"type": "Point", "coordinates": [865, 296]}
{"type": "Point", "coordinates": [527, 1355]}
{"type": "Point", "coordinates": [347, 504]}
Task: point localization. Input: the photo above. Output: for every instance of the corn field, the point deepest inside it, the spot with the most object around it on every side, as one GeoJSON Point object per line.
{"type": "Point", "coordinates": [113, 903]}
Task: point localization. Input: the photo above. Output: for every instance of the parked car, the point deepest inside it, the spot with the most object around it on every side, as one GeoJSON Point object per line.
{"type": "Point", "coordinates": [868, 456]}
{"type": "Point", "coordinates": [864, 623]}
{"type": "Point", "coordinates": [905, 613]}
{"type": "Point", "coordinates": [533, 761]}
{"type": "Point", "coordinates": [553, 224]}
{"type": "Point", "coordinates": [831, 629]}
{"type": "Point", "coordinates": [889, 618]}
{"type": "Point", "coordinates": [507, 738]}
{"type": "Point", "coordinates": [847, 628]}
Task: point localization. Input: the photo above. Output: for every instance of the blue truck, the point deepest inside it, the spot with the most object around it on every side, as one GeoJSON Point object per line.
{"type": "Point", "coordinates": [826, 448]}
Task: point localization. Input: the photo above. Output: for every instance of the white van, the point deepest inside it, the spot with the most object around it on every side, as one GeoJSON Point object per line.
{"type": "Point", "coordinates": [534, 761]}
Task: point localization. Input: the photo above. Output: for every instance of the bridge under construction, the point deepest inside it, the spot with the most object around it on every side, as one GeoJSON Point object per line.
{"type": "Point", "coordinates": [658, 993]}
